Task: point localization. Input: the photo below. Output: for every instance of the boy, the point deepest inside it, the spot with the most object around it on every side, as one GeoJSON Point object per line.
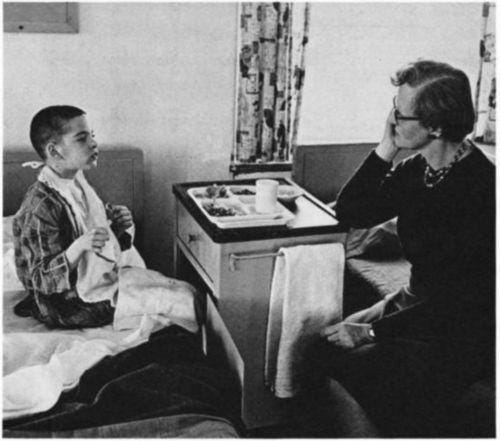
{"type": "Point", "coordinates": [66, 243]}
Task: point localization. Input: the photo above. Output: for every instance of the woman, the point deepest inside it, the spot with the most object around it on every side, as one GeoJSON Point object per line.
{"type": "Point", "coordinates": [406, 358]}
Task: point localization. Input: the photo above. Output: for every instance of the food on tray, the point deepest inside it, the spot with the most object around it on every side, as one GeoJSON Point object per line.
{"type": "Point", "coordinates": [216, 191]}
{"type": "Point", "coordinates": [217, 210]}
{"type": "Point", "coordinates": [242, 191]}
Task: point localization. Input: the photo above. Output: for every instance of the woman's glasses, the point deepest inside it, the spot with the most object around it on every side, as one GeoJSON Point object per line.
{"type": "Point", "coordinates": [399, 117]}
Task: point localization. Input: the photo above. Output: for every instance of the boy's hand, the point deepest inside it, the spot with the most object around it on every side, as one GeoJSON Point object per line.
{"type": "Point", "coordinates": [121, 218]}
{"type": "Point", "coordinates": [93, 240]}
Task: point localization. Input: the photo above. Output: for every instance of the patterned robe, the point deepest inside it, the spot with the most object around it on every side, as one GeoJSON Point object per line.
{"type": "Point", "coordinates": [44, 228]}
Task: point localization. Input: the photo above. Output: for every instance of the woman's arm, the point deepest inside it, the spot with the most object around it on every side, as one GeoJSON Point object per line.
{"type": "Point", "coordinates": [370, 196]}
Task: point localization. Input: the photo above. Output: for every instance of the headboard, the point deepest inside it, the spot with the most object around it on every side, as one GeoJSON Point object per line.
{"type": "Point", "coordinates": [118, 178]}
{"type": "Point", "coordinates": [323, 169]}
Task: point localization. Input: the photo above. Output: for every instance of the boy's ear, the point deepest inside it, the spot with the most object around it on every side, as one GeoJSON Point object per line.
{"type": "Point", "coordinates": [52, 151]}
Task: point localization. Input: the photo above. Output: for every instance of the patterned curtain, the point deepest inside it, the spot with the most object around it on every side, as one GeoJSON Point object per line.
{"type": "Point", "coordinates": [273, 37]}
{"type": "Point", "coordinates": [485, 100]}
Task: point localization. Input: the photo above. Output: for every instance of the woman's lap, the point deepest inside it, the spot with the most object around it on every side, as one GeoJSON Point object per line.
{"type": "Point", "coordinates": [398, 382]}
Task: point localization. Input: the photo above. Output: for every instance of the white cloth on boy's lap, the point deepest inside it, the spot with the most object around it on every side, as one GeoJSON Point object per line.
{"type": "Point", "coordinates": [144, 292]}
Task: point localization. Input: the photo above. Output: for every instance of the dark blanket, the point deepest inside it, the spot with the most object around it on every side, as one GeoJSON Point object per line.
{"type": "Point", "coordinates": [168, 375]}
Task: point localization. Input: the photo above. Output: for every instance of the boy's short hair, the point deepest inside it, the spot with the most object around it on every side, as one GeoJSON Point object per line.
{"type": "Point", "coordinates": [48, 125]}
{"type": "Point", "coordinates": [443, 99]}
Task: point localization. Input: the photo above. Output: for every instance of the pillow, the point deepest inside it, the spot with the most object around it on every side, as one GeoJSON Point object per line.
{"type": "Point", "coordinates": [379, 242]}
{"type": "Point", "coordinates": [10, 279]}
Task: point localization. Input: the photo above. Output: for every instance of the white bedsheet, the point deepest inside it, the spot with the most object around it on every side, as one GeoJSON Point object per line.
{"type": "Point", "coordinates": [39, 364]}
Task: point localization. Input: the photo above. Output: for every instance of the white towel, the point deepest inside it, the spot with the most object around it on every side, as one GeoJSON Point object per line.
{"type": "Point", "coordinates": [306, 296]}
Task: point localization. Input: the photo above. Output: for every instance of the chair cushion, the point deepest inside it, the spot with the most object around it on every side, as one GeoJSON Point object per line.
{"type": "Point", "coordinates": [381, 276]}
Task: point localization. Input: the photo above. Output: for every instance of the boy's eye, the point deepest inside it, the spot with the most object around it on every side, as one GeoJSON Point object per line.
{"type": "Point", "coordinates": [84, 138]}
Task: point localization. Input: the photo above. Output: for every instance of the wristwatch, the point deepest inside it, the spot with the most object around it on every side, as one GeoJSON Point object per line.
{"type": "Point", "coordinates": [371, 332]}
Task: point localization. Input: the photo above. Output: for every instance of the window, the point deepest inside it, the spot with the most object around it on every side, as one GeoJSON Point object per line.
{"type": "Point", "coordinates": [271, 49]}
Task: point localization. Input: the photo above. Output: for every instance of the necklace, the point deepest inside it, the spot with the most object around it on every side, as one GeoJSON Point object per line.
{"type": "Point", "coordinates": [433, 177]}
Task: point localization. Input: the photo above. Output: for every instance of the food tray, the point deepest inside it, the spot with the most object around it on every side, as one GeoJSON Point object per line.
{"type": "Point", "coordinates": [239, 200]}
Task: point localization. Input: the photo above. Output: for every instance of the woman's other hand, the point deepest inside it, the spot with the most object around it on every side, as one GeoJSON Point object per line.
{"type": "Point", "coordinates": [348, 335]}
{"type": "Point", "coordinates": [387, 149]}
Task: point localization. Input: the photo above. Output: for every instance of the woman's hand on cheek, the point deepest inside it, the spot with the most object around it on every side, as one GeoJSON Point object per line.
{"type": "Point", "coordinates": [348, 335]}
{"type": "Point", "coordinates": [387, 149]}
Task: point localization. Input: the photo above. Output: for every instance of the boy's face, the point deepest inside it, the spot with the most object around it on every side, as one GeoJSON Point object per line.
{"type": "Point", "coordinates": [77, 148]}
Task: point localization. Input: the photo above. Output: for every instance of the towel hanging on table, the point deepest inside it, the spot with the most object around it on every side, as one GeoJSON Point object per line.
{"type": "Point", "coordinates": [306, 296]}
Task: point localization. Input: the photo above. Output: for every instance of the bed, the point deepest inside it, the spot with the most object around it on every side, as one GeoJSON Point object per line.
{"type": "Point", "coordinates": [168, 382]}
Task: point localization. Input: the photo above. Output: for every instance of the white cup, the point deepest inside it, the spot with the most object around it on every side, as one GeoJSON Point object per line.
{"type": "Point", "coordinates": [266, 195]}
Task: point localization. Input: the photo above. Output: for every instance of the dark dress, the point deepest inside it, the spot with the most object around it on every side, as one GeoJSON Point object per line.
{"type": "Point", "coordinates": [427, 353]}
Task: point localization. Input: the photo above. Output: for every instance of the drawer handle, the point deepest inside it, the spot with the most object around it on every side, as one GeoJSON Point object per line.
{"type": "Point", "coordinates": [234, 257]}
{"type": "Point", "coordinates": [192, 238]}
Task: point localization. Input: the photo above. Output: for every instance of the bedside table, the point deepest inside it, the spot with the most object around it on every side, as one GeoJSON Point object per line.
{"type": "Point", "coordinates": [236, 264]}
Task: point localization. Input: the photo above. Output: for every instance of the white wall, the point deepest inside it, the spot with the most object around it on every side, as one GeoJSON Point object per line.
{"type": "Point", "coordinates": [159, 76]}
{"type": "Point", "coordinates": [354, 49]}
